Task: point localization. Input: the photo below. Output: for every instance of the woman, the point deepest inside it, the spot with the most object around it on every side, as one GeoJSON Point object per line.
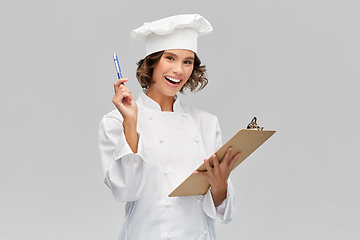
{"type": "Point", "coordinates": [150, 146]}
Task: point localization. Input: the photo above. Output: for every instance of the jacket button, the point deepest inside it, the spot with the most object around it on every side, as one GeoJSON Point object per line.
{"type": "Point", "coordinates": [167, 204]}
{"type": "Point", "coordinates": [196, 140]}
{"type": "Point", "coordinates": [161, 140]}
{"type": "Point", "coordinates": [166, 172]}
{"type": "Point", "coordinates": [169, 236]}
{"type": "Point", "coordinates": [204, 232]}
{"type": "Point", "coordinates": [185, 115]}
{"type": "Point", "coordinates": [150, 117]}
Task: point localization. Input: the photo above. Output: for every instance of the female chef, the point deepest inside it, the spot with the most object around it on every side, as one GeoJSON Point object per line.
{"type": "Point", "coordinates": [149, 146]}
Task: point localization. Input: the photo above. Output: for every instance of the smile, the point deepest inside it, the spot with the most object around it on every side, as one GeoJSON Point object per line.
{"type": "Point", "coordinates": [173, 80]}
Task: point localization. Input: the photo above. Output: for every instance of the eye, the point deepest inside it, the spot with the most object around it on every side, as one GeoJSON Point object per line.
{"type": "Point", "coordinates": [188, 62]}
{"type": "Point", "coordinates": [170, 58]}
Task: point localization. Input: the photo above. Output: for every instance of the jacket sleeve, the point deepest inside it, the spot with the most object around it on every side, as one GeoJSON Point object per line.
{"type": "Point", "coordinates": [224, 212]}
{"type": "Point", "coordinates": [124, 171]}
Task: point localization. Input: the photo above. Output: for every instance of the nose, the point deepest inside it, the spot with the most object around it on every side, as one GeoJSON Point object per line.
{"type": "Point", "coordinates": [178, 68]}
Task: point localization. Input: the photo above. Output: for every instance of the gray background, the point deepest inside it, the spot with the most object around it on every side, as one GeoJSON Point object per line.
{"type": "Point", "coordinates": [293, 64]}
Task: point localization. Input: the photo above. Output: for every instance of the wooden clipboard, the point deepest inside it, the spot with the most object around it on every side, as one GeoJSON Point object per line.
{"type": "Point", "coordinates": [245, 141]}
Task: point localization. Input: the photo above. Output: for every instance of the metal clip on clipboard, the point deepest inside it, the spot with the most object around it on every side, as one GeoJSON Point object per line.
{"type": "Point", "coordinates": [253, 125]}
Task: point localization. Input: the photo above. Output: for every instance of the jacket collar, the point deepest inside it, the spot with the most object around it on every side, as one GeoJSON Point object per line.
{"type": "Point", "coordinates": [146, 101]}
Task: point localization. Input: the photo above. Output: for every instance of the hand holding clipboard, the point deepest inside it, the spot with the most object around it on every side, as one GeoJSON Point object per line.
{"type": "Point", "coordinates": [245, 141]}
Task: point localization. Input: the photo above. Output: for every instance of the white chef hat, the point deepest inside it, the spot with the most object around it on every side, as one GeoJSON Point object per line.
{"type": "Point", "coordinates": [175, 32]}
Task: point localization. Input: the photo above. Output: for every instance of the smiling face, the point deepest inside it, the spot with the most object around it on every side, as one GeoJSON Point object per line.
{"type": "Point", "coordinates": [171, 73]}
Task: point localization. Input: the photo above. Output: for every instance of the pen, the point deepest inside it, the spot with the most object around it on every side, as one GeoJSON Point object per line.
{"type": "Point", "coordinates": [117, 66]}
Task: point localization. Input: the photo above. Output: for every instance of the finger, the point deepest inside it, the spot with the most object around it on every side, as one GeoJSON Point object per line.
{"type": "Point", "coordinates": [225, 160]}
{"type": "Point", "coordinates": [127, 98]}
{"type": "Point", "coordinates": [215, 161]}
{"type": "Point", "coordinates": [124, 89]}
{"type": "Point", "coordinates": [233, 160]}
{"type": "Point", "coordinates": [207, 165]}
{"type": "Point", "coordinates": [119, 82]}
{"type": "Point", "coordinates": [122, 96]}
{"type": "Point", "coordinates": [123, 93]}
{"type": "Point", "coordinates": [122, 81]}
{"type": "Point", "coordinates": [200, 173]}
{"type": "Point", "coordinates": [127, 94]}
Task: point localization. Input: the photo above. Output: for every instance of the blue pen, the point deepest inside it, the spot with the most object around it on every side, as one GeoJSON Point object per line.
{"type": "Point", "coordinates": [117, 66]}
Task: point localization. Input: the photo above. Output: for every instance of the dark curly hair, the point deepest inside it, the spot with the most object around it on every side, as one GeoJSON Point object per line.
{"type": "Point", "coordinates": [144, 72]}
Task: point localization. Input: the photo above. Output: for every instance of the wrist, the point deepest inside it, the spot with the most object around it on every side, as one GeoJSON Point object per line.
{"type": "Point", "coordinates": [130, 122]}
{"type": "Point", "coordinates": [218, 196]}
{"type": "Point", "coordinates": [220, 187]}
{"type": "Point", "coordinates": [219, 192]}
{"type": "Point", "coordinates": [131, 134]}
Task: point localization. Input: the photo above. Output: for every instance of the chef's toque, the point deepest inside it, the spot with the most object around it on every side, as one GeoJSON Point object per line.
{"type": "Point", "coordinates": [175, 32]}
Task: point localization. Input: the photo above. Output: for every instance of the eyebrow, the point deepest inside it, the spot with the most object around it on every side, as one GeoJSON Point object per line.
{"type": "Point", "coordinates": [173, 54]}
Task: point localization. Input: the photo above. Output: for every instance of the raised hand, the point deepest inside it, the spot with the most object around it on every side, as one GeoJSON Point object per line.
{"type": "Point", "coordinates": [126, 105]}
{"type": "Point", "coordinates": [123, 100]}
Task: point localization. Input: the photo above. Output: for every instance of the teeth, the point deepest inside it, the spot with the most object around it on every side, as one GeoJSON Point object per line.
{"type": "Point", "coordinates": [173, 79]}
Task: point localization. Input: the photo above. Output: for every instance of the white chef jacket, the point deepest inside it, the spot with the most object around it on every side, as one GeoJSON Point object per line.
{"type": "Point", "coordinates": [171, 146]}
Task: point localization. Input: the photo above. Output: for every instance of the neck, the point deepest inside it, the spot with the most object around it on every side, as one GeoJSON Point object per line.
{"type": "Point", "coordinates": [166, 102]}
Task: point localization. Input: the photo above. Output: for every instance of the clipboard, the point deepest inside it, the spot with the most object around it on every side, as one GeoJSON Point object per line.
{"type": "Point", "coordinates": [245, 141]}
